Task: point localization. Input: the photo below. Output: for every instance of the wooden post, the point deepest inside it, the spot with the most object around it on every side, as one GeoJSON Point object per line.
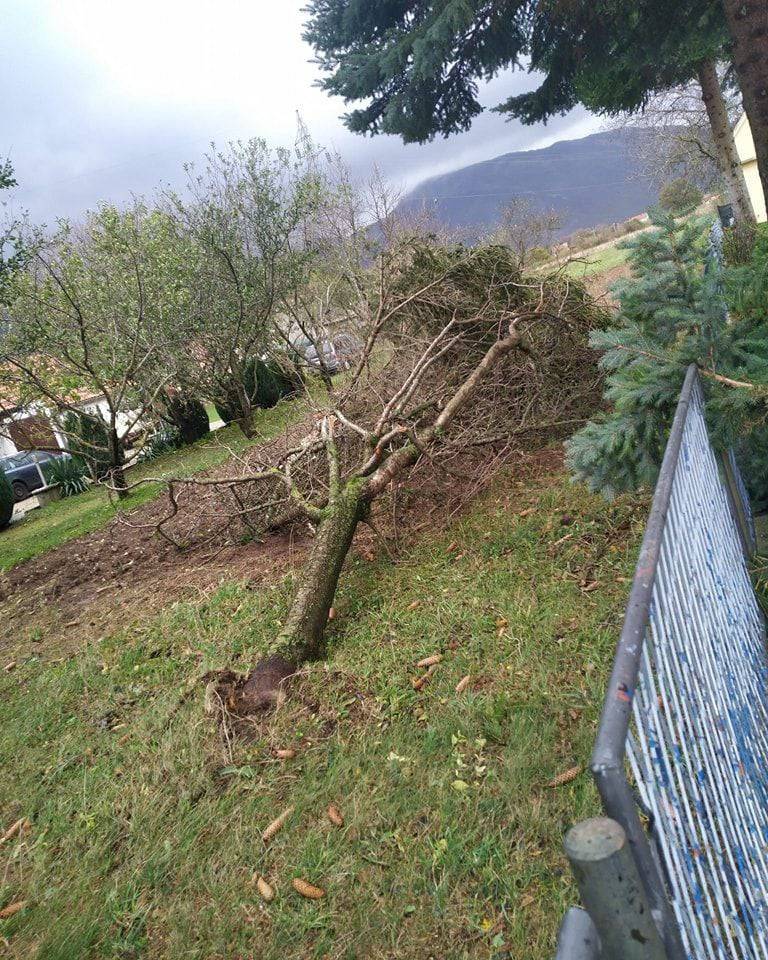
{"type": "Point", "coordinates": [612, 892]}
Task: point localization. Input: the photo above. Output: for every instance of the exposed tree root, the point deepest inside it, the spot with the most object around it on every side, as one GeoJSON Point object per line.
{"type": "Point", "coordinates": [244, 695]}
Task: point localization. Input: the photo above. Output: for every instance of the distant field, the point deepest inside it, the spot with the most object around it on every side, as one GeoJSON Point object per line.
{"type": "Point", "coordinates": [591, 264]}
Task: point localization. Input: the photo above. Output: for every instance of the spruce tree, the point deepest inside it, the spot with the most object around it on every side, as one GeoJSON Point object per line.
{"type": "Point", "coordinates": [673, 312]}
{"type": "Point", "coordinates": [668, 311]}
{"type": "Point", "coordinates": [414, 67]}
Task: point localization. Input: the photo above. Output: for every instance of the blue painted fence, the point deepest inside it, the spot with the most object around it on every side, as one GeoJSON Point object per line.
{"type": "Point", "coordinates": [681, 757]}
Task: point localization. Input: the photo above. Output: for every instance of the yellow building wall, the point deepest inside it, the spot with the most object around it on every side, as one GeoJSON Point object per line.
{"type": "Point", "coordinates": [745, 147]}
{"type": "Point", "coordinates": [755, 188]}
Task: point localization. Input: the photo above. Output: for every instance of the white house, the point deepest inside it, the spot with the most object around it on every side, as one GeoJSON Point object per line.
{"type": "Point", "coordinates": [35, 426]}
{"type": "Point", "coordinates": [745, 147]}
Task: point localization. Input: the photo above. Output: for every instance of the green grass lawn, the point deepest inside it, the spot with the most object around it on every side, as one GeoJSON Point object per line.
{"type": "Point", "coordinates": [49, 526]}
{"type": "Point", "coordinates": [591, 264]}
{"type": "Point", "coordinates": [146, 823]}
{"type": "Point", "coordinates": [213, 413]}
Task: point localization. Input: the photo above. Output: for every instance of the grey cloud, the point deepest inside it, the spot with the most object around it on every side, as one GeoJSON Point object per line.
{"type": "Point", "coordinates": [74, 143]}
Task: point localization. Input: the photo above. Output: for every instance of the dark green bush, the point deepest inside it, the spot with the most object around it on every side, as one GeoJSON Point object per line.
{"type": "Point", "coordinates": [273, 382]}
{"type": "Point", "coordinates": [89, 441]}
{"type": "Point", "coordinates": [189, 416]}
{"type": "Point", "coordinates": [266, 382]}
{"type": "Point", "coordinates": [6, 501]}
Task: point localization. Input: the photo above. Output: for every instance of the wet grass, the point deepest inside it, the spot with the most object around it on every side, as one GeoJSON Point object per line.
{"type": "Point", "coordinates": [592, 264]}
{"type": "Point", "coordinates": [146, 822]}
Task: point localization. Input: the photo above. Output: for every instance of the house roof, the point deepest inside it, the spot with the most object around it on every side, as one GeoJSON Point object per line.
{"type": "Point", "coordinates": [12, 401]}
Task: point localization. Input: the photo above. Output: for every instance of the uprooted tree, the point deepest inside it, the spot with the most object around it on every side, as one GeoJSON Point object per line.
{"type": "Point", "coordinates": [459, 349]}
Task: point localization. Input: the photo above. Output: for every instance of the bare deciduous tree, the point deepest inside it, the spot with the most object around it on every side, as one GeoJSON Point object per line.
{"type": "Point", "coordinates": [527, 231]}
{"type": "Point", "coordinates": [691, 133]}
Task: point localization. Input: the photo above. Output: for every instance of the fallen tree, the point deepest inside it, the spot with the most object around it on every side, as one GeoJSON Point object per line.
{"type": "Point", "coordinates": [459, 349]}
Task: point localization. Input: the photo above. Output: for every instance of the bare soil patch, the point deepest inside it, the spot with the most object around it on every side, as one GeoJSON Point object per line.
{"type": "Point", "coordinates": [90, 585]}
{"type": "Point", "coordinates": [599, 285]}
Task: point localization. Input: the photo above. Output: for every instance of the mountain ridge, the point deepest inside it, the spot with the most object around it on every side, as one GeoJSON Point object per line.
{"type": "Point", "coordinates": [590, 181]}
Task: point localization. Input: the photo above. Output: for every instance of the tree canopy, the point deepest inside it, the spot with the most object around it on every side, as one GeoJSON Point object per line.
{"type": "Point", "coordinates": [11, 253]}
{"type": "Point", "coordinates": [418, 64]}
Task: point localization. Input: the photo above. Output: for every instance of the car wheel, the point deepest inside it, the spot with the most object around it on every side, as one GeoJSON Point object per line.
{"type": "Point", "coordinates": [20, 491]}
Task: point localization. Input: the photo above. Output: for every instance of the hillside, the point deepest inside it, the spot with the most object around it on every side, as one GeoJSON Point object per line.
{"type": "Point", "coordinates": [591, 181]}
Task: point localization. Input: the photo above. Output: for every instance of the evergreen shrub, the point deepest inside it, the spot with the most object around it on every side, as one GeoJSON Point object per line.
{"type": "Point", "coordinates": [6, 501]}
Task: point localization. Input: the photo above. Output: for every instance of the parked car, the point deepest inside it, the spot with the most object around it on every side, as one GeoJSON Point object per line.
{"type": "Point", "coordinates": [22, 470]}
{"type": "Point", "coordinates": [338, 354]}
{"type": "Point", "coordinates": [348, 349]}
{"type": "Point", "coordinates": [308, 353]}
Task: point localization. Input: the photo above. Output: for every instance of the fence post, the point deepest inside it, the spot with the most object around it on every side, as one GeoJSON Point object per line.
{"type": "Point", "coordinates": [578, 938]}
{"type": "Point", "coordinates": [612, 892]}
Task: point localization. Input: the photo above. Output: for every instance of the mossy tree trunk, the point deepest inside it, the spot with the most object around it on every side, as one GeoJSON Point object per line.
{"type": "Point", "coordinates": [247, 425]}
{"type": "Point", "coordinates": [246, 407]}
{"type": "Point", "coordinates": [302, 635]}
{"type": "Point", "coordinates": [725, 145]}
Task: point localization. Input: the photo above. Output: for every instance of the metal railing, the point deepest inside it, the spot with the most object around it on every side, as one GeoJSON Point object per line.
{"type": "Point", "coordinates": [681, 756]}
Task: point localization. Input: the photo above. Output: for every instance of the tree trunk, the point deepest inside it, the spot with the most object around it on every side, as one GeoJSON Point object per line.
{"type": "Point", "coordinates": [748, 24]}
{"type": "Point", "coordinates": [245, 403]}
{"type": "Point", "coordinates": [725, 145]}
{"type": "Point", "coordinates": [246, 424]}
{"type": "Point", "coordinates": [301, 637]}
{"type": "Point", "coordinates": [116, 472]}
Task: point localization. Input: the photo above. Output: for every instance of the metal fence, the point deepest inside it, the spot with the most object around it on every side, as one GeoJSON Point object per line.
{"type": "Point", "coordinates": [681, 757]}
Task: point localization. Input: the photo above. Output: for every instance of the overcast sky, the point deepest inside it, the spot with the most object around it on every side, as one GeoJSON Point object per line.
{"type": "Point", "coordinates": [103, 98]}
